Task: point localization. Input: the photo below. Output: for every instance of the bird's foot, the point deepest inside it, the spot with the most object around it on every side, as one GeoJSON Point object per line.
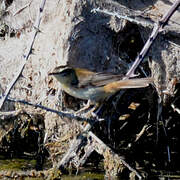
{"type": "Point", "coordinates": [86, 107]}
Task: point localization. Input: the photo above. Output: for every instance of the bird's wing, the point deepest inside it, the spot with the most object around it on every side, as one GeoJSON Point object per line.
{"type": "Point", "coordinates": [96, 79]}
{"type": "Point", "coordinates": [128, 83]}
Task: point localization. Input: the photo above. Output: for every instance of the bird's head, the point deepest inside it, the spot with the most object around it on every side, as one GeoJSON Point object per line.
{"type": "Point", "coordinates": [65, 75]}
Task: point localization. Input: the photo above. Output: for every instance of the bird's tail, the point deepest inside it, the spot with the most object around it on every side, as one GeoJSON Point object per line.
{"type": "Point", "coordinates": [128, 83]}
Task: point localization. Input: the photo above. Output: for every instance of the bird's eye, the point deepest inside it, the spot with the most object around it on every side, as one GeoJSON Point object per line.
{"type": "Point", "coordinates": [66, 72]}
{"type": "Point", "coordinates": [63, 74]}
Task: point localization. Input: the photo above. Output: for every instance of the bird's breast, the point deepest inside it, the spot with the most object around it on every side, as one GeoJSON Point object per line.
{"type": "Point", "coordinates": [95, 94]}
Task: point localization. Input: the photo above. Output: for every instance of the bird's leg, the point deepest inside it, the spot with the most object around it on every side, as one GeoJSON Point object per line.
{"type": "Point", "coordinates": [91, 111]}
{"type": "Point", "coordinates": [95, 111]}
{"type": "Point", "coordinates": [97, 108]}
{"type": "Point", "coordinates": [87, 106]}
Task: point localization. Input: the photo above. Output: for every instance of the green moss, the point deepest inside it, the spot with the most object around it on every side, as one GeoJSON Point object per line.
{"type": "Point", "coordinates": [31, 178]}
{"type": "Point", "coordinates": [17, 164]}
{"type": "Point", "coordinates": [84, 176]}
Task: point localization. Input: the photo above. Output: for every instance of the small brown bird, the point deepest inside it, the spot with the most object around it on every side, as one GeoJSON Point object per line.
{"type": "Point", "coordinates": [93, 86]}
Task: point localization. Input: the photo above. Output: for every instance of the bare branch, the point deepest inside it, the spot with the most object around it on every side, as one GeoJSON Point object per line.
{"type": "Point", "coordinates": [101, 148]}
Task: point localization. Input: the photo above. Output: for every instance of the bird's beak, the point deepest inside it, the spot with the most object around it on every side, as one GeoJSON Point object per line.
{"type": "Point", "coordinates": [56, 70]}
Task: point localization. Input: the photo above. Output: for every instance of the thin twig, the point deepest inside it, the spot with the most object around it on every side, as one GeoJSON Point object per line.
{"type": "Point", "coordinates": [10, 114]}
{"type": "Point", "coordinates": [27, 54]}
{"type": "Point", "coordinates": [60, 113]}
{"type": "Point", "coordinates": [169, 13]}
{"type": "Point", "coordinates": [175, 108]}
{"type": "Point", "coordinates": [125, 17]}
{"type": "Point", "coordinates": [159, 118]}
{"type": "Point", "coordinates": [22, 8]}
{"type": "Point", "coordinates": [159, 114]}
{"type": "Point", "coordinates": [145, 127]}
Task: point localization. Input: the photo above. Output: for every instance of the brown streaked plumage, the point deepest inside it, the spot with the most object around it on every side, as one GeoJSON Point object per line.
{"type": "Point", "coordinates": [93, 86]}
